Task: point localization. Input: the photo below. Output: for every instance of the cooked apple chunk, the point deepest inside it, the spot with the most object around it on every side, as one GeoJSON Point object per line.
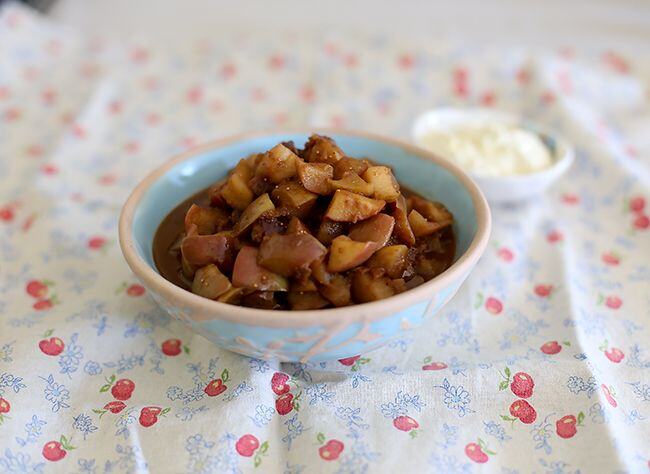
{"type": "Point", "coordinates": [384, 183]}
{"type": "Point", "coordinates": [277, 164]}
{"type": "Point", "coordinates": [295, 197]}
{"type": "Point", "coordinates": [349, 165]}
{"type": "Point", "coordinates": [353, 183]}
{"type": "Point", "coordinates": [432, 211]}
{"type": "Point", "coordinates": [210, 283]}
{"type": "Point", "coordinates": [296, 227]}
{"type": "Point", "coordinates": [248, 274]}
{"type": "Point", "coordinates": [319, 149]}
{"type": "Point", "coordinates": [366, 288]}
{"type": "Point", "coordinates": [315, 177]}
{"type": "Point", "coordinates": [285, 254]}
{"type": "Point", "coordinates": [199, 250]}
{"type": "Point", "coordinates": [421, 226]}
{"type": "Point", "coordinates": [350, 207]}
{"type": "Point", "coordinates": [254, 211]}
{"type": "Point", "coordinates": [402, 226]}
{"type": "Point", "coordinates": [346, 253]}
{"type": "Point", "coordinates": [376, 229]}
{"type": "Point", "coordinates": [393, 259]}
{"type": "Point", "coordinates": [302, 301]}
{"type": "Point", "coordinates": [207, 220]}
{"type": "Point", "coordinates": [236, 192]}
{"type": "Point", "coordinates": [337, 291]}
{"type": "Point", "coordinates": [328, 230]}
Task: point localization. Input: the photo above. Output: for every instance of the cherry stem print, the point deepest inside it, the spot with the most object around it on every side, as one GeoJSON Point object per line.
{"type": "Point", "coordinates": [506, 378]}
{"type": "Point", "coordinates": [121, 288]}
{"type": "Point", "coordinates": [65, 443]}
{"type": "Point", "coordinates": [485, 448]}
{"type": "Point", "coordinates": [358, 363]}
{"type": "Point", "coordinates": [109, 383]}
{"type": "Point", "coordinates": [581, 417]}
{"type": "Point", "coordinates": [48, 333]}
{"type": "Point", "coordinates": [479, 300]}
{"type": "Point", "coordinates": [225, 375]}
{"type": "Point", "coordinates": [510, 419]}
{"type": "Point", "coordinates": [263, 449]}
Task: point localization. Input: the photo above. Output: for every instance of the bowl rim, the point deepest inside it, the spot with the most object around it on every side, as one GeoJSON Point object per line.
{"type": "Point", "coordinates": [562, 158]}
{"type": "Point", "coordinates": [288, 318]}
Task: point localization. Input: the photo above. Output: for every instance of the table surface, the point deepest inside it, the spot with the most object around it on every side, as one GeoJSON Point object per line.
{"type": "Point", "coordinates": [560, 296]}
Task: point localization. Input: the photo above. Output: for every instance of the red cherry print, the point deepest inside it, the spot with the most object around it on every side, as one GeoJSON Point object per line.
{"type": "Point", "coordinates": [637, 204]}
{"type": "Point", "coordinates": [78, 131]}
{"type": "Point", "coordinates": [350, 60]}
{"type": "Point", "coordinates": [276, 62]}
{"type": "Point", "coordinates": [348, 361]}
{"type": "Point", "coordinates": [131, 147]}
{"type": "Point", "coordinates": [307, 93]}
{"type": "Point", "coordinates": [214, 388]}
{"type": "Point", "coordinates": [488, 99]}
{"type": "Point", "coordinates": [524, 411]}
{"type": "Point", "coordinates": [5, 406]}
{"type": "Point", "coordinates": [246, 445]}
{"type": "Point", "coordinates": [523, 76]}
{"type": "Point", "coordinates": [616, 62]}
{"type": "Point", "coordinates": [139, 55]}
{"type": "Point", "coordinates": [505, 254]}
{"type": "Point", "coordinates": [52, 451]}
{"type": "Point", "coordinates": [566, 426]}
{"type": "Point", "coordinates": [12, 114]}
{"type": "Point", "coordinates": [52, 346]}
{"type": "Point", "coordinates": [6, 214]}
{"type": "Point", "coordinates": [135, 290]}
{"type": "Point", "coordinates": [475, 453]}
{"type": "Point", "coordinates": [608, 395]}
{"type": "Point", "coordinates": [228, 70]}
{"type": "Point", "coordinates": [522, 385]}
{"type": "Point", "coordinates": [641, 222]}
{"type": "Point", "coordinates": [194, 95]}
{"type": "Point", "coordinates": [149, 416]}
{"type": "Point", "coordinates": [405, 423]}
{"type": "Point", "coordinates": [547, 98]}
{"type": "Point", "coordinates": [123, 389]}
{"type": "Point", "coordinates": [115, 107]}
{"type": "Point", "coordinates": [115, 406]}
{"type": "Point", "coordinates": [48, 96]}
{"type": "Point", "coordinates": [42, 305]}
{"type": "Point", "coordinates": [49, 169]}
{"type": "Point", "coordinates": [405, 61]}
{"type": "Point", "coordinates": [96, 243]}
{"type": "Point", "coordinates": [284, 404]}
{"type": "Point", "coordinates": [613, 302]}
{"type": "Point", "coordinates": [554, 236]}
{"type": "Point", "coordinates": [543, 291]}
{"type": "Point", "coordinates": [614, 354]}
{"type": "Point", "coordinates": [434, 366]}
{"type": "Point", "coordinates": [279, 383]}
{"type": "Point", "coordinates": [172, 347]}
{"type": "Point", "coordinates": [493, 305]}
{"type": "Point", "coordinates": [551, 347]}
{"type": "Point", "coordinates": [611, 259]}
{"type": "Point", "coordinates": [107, 179]}
{"type": "Point", "coordinates": [331, 450]}
{"type": "Point", "coordinates": [36, 289]}
{"type": "Point", "coordinates": [570, 198]}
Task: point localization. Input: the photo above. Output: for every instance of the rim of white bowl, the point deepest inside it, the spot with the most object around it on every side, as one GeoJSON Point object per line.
{"type": "Point", "coordinates": [288, 318]}
{"type": "Point", "coordinates": [562, 157]}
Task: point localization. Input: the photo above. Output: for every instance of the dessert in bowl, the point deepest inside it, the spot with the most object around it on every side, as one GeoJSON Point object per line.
{"type": "Point", "coordinates": [262, 300]}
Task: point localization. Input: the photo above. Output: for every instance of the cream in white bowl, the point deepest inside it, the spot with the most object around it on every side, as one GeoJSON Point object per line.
{"type": "Point", "coordinates": [510, 159]}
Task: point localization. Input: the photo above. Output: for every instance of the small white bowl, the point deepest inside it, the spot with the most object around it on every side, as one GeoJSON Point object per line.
{"type": "Point", "coordinates": [500, 189]}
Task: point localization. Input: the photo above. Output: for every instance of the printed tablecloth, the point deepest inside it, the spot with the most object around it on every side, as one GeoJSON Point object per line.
{"type": "Point", "coordinates": [539, 364]}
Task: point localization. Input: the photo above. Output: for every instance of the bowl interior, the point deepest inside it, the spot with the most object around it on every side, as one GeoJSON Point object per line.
{"type": "Point", "coordinates": [425, 177]}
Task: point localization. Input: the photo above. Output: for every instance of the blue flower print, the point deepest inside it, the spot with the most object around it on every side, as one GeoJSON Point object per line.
{"type": "Point", "coordinates": [263, 415]}
{"type": "Point", "coordinates": [84, 424]}
{"type": "Point", "coordinates": [19, 463]}
{"type": "Point", "coordinates": [55, 393]}
{"type": "Point", "coordinates": [456, 398]}
{"type": "Point", "coordinates": [71, 357]}
{"type": "Point", "coordinates": [33, 431]}
{"type": "Point", "coordinates": [93, 368]}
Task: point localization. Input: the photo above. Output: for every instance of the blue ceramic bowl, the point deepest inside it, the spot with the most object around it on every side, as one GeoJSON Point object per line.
{"type": "Point", "coordinates": [303, 335]}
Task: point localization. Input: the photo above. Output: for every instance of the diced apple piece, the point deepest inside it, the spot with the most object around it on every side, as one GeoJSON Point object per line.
{"type": "Point", "coordinates": [209, 282]}
{"type": "Point", "coordinates": [429, 267]}
{"type": "Point", "coordinates": [232, 296]}
{"type": "Point", "coordinates": [187, 269]}
{"type": "Point", "coordinates": [402, 227]}
{"type": "Point", "coordinates": [214, 193]}
{"type": "Point", "coordinates": [294, 196]}
{"type": "Point", "coordinates": [421, 226]}
{"type": "Point", "coordinates": [352, 182]}
{"type": "Point", "coordinates": [319, 272]}
{"type": "Point", "coordinates": [384, 183]}
{"type": "Point", "coordinates": [248, 274]}
{"type": "Point", "coordinates": [346, 253]}
{"type": "Point", "coordinates": [265, 226]}
{"type": "Point", "coordinates": [315, 177]}
{"type": "Point", "coordinates": [365, 288]}
{"type": "Point", "coordinates": [347, 164]}
{"type": "Point", "coordinates": [350, 207]}
{"type": "Point", "coordinates": [303, 283]}
{"type": "Point", "coordinates": [432, 211]}
{"type": "Point", "coordinates": [253, 212]}
{"type": "Point", "coordinates": [236, 192]}
{"type": "Point", "coordinates": [285, 254]}
{"type": "Point", "coordinates": [376, 229]}
{"type": "Point", "coordinates": [277, 164]}
{"type": "Point", "coordinates": [319, 149]}
{"type": "Point", "coordinates": [261, 300]}
{"type": "Point", "coordinates": [398, 285]}
{"type": "Point", "coordinates": [302, 301]}
{"type": "Point", "coordinates": [207, 220]}
{"type": "Point", "coordinates": [329, 230]}
{"type": "Point", "coordinates": [337, 291]}
{"type": "Point", "coordinates": [417, 280]}
{"type": "Point", "coordinates": [393, 259]}
{"type": "Point", "coordinates": [200, 250]}
{"type": "Point", "coordinates": [244, 169]}
{"type": "Point", "coordinates": [297, 227]}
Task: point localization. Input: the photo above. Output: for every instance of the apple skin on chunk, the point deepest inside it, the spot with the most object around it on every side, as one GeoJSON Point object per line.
{"type": "Point", "coordinates": [354, 183]}
{"type": "Point", "coordinates": [402, 226]}
{"type": "Point", "coordinates": [319, 149]}
{"type": "Point", "coordinates": [315, 177]}
{"type": "Point", "coordinates": [209, 282]}
{"type": "Point", "coordinates": [347, 165]}
{"type": "Point", "coordinates": [200, 250]}
{"type": "Point", "coordinates": [337, 291]}
{"type": "Point", "coordinates": [421, 226]}
{"type": "Point", "coordinates": [346, 253]}
{"type": "Point", "coordinates": [384, 183]}
{"type": "Point", "coordinates": [207, 220]}
{"type": "Point", "coordinates": [296, 227]}
{"type": "Point", "coordinates": [277, 164]}
{"type": "Point", "coordinates": [253, 212]}
{"type": "Point", "coordinates": [285, 254]}
{"type": "Point", "coordinates": [365, 288]}
{"type": "Point", "coordinates": [302, 301]}
{"type": "Point", "coordinates": [350, 207]}
{"type": "Point", "coordinates": [432, 211]}
{"type": "Point", "coordinates": [376, 229]}
{"type": "Point", "coordinates": [295, 197]}
{"type": "Point", "coordinates": [248, 274]}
